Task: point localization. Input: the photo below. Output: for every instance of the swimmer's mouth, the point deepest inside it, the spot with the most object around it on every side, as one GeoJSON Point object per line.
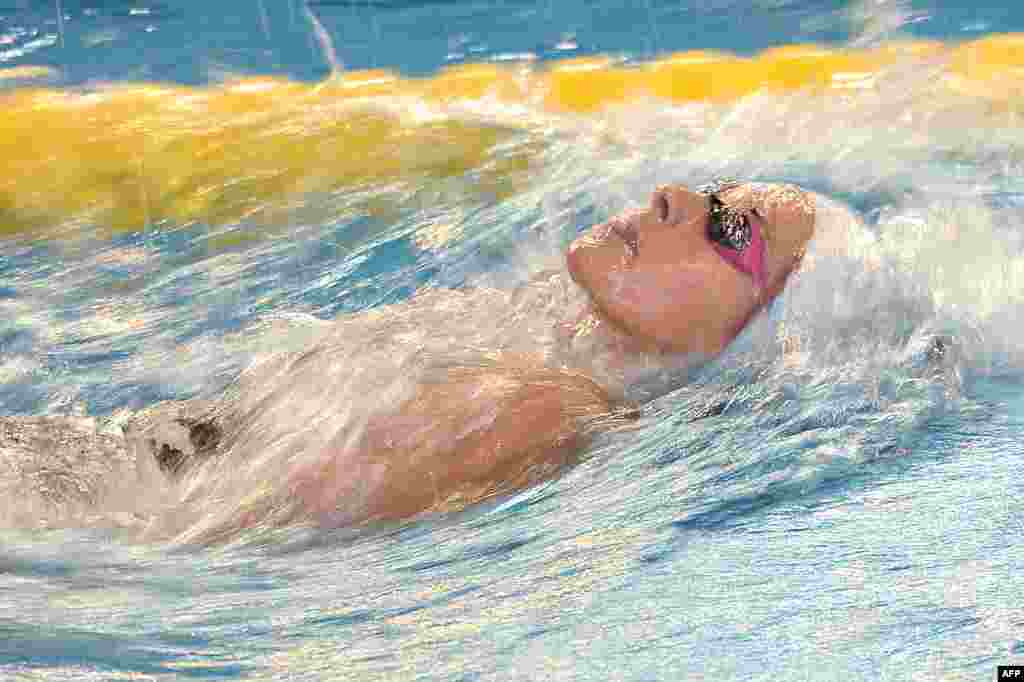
{"type": "Point", "coordinates": [627, 232]}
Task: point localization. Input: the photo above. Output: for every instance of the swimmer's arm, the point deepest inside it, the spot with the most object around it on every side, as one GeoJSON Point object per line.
{"type": "Point", "coordinates": [476, 434]}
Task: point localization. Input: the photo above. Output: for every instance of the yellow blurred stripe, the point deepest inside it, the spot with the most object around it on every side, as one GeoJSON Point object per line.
{"type": "Point", "coordinates": [991, 67]}
{"type": "Point", "coordinates": [138, 154]}
{"type": "Point", "coordinates": [473, 81]}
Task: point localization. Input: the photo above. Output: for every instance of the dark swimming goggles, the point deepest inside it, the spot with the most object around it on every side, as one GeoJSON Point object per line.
{"type": "Point", "coordinates": [727, 226]}
{"type": "Point", "coordinates": [735, 234]}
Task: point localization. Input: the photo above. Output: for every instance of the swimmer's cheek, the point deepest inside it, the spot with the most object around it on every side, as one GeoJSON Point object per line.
{"type": "Point", "coordinates": [460, 443]}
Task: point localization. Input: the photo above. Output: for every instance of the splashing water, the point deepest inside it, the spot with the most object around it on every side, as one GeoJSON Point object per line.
{"type": "Point", "coordinates": [836, 492]}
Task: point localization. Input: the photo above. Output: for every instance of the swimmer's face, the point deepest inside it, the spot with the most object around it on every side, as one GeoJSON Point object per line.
{"type": "Point", "coordinates": [657, 275]}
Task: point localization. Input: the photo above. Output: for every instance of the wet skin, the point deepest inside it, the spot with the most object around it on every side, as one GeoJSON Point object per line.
{"type": "Point", "coordinates": [656, 275]}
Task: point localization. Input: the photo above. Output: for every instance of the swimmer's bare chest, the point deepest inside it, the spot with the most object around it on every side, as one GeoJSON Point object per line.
{"type": "Point", "coordinates": [477, 434]}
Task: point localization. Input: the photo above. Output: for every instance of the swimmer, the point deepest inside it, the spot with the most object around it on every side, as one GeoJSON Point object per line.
{"type": "Point", "coordinates": [676, 281]}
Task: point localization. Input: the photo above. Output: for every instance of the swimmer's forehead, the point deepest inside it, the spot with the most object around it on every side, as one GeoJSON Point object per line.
{"type": "Point", "coordinates": [768, 197]}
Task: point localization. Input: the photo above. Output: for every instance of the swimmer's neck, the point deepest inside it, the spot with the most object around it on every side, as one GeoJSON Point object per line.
{"type": "Point", "coordinates": [629, 369]}
{"type": "Point", "coordinates": [604, 334]}
{"type": "Point", "coordinates": [600, 348]}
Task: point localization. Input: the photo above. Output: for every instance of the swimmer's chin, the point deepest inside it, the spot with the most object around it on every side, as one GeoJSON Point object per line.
{"type": "Point", "coordinates": [575, 262]}
{"type": "Point", "coordinates": [572, 263]}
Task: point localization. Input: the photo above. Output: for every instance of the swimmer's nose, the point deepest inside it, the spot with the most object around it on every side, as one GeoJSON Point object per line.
{"type": "Point", "coordinates": [674, 204]}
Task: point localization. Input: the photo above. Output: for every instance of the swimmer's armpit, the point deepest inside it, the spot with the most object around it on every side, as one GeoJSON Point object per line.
{"type": "Point", "coordinates": [483, 432]}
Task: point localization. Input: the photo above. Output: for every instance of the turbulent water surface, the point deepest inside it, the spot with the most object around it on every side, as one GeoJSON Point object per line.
{"type": "Point", "coordinates": [190, 191]}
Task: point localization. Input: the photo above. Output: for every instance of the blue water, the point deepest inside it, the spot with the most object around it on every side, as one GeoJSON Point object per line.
{"type": "Point", "coordinates": [848, 514]}
{"type": "Point", "coordinates": [191, 42]}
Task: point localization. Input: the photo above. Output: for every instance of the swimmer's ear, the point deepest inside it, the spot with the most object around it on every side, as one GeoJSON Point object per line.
{"type": "Point", "coordinates": [673, 204]}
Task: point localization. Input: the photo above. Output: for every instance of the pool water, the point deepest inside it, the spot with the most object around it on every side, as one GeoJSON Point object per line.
{"type": "Point", "coordinates": [191, 188]}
